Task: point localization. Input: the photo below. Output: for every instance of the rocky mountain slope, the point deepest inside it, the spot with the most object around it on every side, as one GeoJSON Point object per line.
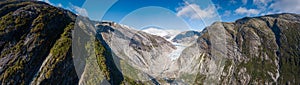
{"type": "Point", "coordinates": [258, 50]}
{"type": "Point", "coordinates": [186, 37]}
{"type": "Point", "coordinates": [35, 44]}
{"type": "Point", "coordinates": [42, 44]}
{"type": "Point", "coordinates": [252, 50]}
{"type": "Point", "coordinates": [141, 50]}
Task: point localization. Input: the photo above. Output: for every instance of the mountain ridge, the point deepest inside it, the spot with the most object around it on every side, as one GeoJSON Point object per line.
{"type": "Point", "coordinates": [37, 47]}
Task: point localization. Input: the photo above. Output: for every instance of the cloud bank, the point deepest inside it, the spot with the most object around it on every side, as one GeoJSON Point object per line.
{"type": "Point", "coordinates": [193, 11]}
{"type": "Point", "coordinates": [79, 10]}
{"type": "Point", "coordinates": [248, 12]}
{"type": "Point", "coordinates": [291, 6]}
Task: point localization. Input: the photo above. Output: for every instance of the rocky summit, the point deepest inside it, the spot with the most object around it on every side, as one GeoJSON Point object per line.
{"type": "Point", "coordinates": [43, 44]}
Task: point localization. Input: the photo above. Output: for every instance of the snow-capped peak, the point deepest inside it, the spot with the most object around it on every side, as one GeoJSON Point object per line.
{"type": "Point", "coordinates": [167, 34]}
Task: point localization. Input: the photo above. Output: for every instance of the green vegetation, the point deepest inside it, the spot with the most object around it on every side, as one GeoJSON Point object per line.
{"type": "Point", "coordinates": [290, 54]}
{"type": "Point", "coordinates": [46, 32]}
{"type": "Point", "coordinates": [129, 70]}
{"type": "Point", "coordinates": [129, 81]}
{"type": "Point", "coordinates": [100, 50]}
{"type": "Point", "coordinates": [102, 54]}
{"type": "Point", "coordinates": [6, 21]}
{"type": "Point", "coordinates": [60, 49]}
{"type": "Point", "coordinates": [257, 67]}
{"type": "Point", "coordinates": [130, 73]}
{"type": "Point", "coordinates": [63, 44]}
{"type": "Point", "coordinates": [38, 27]}
{"type": "Point", "coordinates": [199, 79]}
{"type": "Point", "coordinates": [227, 68]}
{"type": "Point", "coordinates": [26, 53]}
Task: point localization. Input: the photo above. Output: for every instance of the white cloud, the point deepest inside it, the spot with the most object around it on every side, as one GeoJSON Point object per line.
{"type": "Point", "coordinates": [290, 6]}
{"type": "Point", "coordinates": [79, 10]}
{"type": "Point", "coordinates": [47, 1]}
{"type": "Point", "coordinates": [193, 11]}
{"type": "Point", "coordinates": [248, 12]}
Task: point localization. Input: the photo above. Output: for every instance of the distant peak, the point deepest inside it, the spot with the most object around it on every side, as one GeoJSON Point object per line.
{"type": "Point", "coordinates": [152, 27]}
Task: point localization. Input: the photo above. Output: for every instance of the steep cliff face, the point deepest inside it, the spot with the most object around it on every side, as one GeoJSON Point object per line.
{"type": "Point", "coordinates": [145, 52]}
{"type": "Point", "coordinates": [42, 44]}
{"type": "Point", "coordinates": [37, 48]}
{"type": "Point", "coordinates": [259, 50]}
{"type": "Point", "coordinates": [35, 44]}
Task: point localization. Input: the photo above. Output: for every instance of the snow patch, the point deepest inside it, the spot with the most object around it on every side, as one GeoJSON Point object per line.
{"type": "Point", "coordinates": [167, 34]}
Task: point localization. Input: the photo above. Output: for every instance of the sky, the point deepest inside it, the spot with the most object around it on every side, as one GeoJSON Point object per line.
{"type": "Point", "coordinates": [175, 14]}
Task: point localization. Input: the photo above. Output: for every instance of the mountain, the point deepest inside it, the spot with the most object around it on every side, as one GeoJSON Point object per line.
{"type": "Point", "coordinates": [42, 44]}
{"type": "Point", "coordinates": [251, 50]}
{"type": "Point", "coordinates": [186, 37]}
{"type": "Point", "coordinates": [141, 50]}
{"type": "Point", "coordinates": [167, 34]}
{"type": "Point", "coordinates": [35, 44]}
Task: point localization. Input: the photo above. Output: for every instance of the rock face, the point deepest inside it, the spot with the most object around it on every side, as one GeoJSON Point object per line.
{"type": "Point", "coordinates": [187, 37]}
{"type": "Point", "coordinates": [42, 44]}
{"type": "Point", "coordinates": [259, 50]}
{"type": "Point", "coordinates": [35, 44]}
{"type": "Point", "coordinates": [141, 50]}
{"type": "Point", "coordinates": [248, 51]}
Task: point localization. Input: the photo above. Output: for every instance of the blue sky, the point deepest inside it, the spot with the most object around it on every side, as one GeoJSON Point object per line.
{"type": "Point", "coordinates": [175, 14]}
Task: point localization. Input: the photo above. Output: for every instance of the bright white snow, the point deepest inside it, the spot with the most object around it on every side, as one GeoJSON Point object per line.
{"type": "Point", "coordinates": [163, 33]}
